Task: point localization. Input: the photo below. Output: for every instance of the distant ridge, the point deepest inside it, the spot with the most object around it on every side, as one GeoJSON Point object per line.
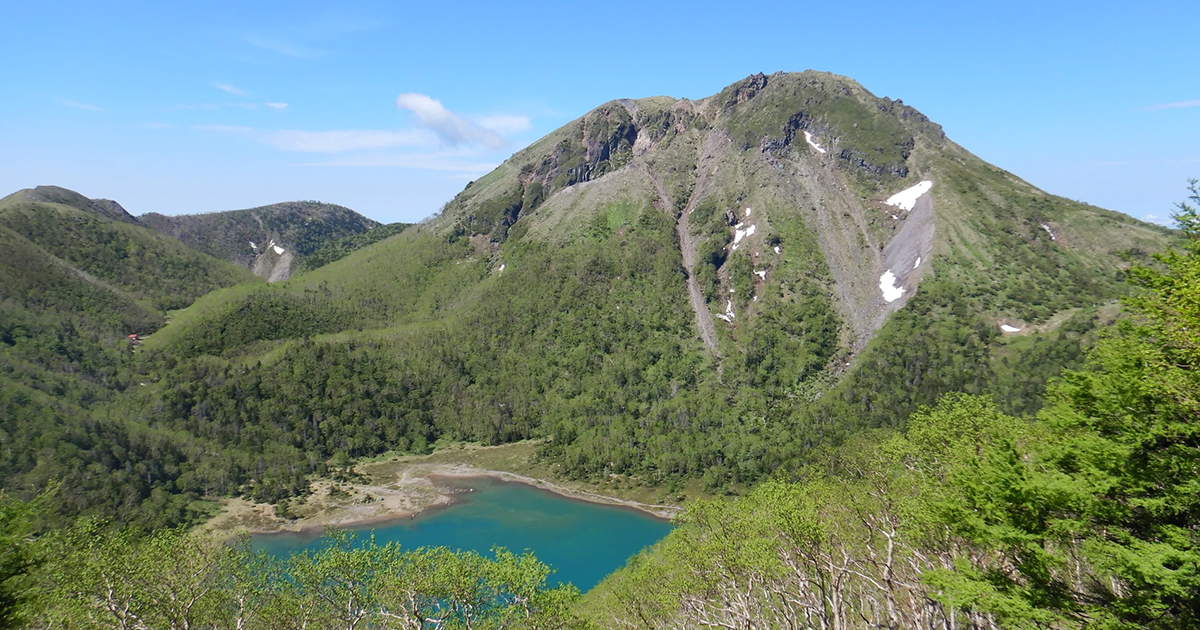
{"type": "Point", "coordinates": [268, 240]}
{"type": "Point", "coordinates": [54, 194]}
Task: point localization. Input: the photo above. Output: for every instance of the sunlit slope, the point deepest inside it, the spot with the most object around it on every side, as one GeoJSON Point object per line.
{"type": "Point", "coordinates": [667, 287]}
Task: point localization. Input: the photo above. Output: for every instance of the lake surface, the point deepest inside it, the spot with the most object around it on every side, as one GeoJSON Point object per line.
{"type": "Point", "coordinates": [583, 541]}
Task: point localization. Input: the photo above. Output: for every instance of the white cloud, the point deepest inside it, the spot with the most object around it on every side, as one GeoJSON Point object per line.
{"type": "Point", "coordinates": [277, 45]}
{"type": "Point", "coordinates": [427, 161]}
{"type": "Point", "coordinates": [276, 105]}
{"type": "Point", "coordinates": [226, 129]}
{"type": "Point", "coordinates": [1178, 105]}
{"type": "Point", "coordinates": [329, 141]}
{"type": "Point", "coordinates": [77, 105]}
{"type": "Point", "coordinates": [504, 124]}
{"type": "Point", "coordinates": [450, 127]}
{"type": "Point", "coordinates": [229, 89]}
{"type": "Point", "coordinates": [341, 141]}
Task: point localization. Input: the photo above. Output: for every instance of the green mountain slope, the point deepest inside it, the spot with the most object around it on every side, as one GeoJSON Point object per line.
{"type": "Point", "coordinates": [76, 277]}
{"type": "Point", "coordinates": [267, 240]}
{"type": "Point", "coordinates": [667, 288]}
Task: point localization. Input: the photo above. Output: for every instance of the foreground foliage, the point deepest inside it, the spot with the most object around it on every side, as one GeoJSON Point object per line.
{"type": "Point", "coordinates": [171, 580]}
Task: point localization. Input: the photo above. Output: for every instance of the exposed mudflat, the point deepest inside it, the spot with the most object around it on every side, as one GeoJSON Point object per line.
{"type": "Point", "coordinates": [389, 490]}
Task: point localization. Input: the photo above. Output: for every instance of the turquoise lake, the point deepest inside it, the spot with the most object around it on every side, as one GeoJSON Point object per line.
{"type": "Point", "coordinates": [583, 541]}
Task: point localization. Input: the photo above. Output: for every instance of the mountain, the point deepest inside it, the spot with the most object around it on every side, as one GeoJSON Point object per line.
{"type": "Point", "coordinates": [267, 240]}
{"type": "Point", "coordinates": [77, 277]}
{"type": "Point", "coordinates": [664, 289]}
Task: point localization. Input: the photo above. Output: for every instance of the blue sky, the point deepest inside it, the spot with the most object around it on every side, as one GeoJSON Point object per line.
{"type": "Point", "coordinates": [390, 108]}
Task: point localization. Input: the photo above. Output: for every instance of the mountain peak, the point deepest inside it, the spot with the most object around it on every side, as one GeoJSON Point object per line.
{"type": "Point", "coordinates": [63, 196]}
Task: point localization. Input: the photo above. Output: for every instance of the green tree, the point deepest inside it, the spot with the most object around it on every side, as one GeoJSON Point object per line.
{"type": "Point", "coordinates": [1097, 519]}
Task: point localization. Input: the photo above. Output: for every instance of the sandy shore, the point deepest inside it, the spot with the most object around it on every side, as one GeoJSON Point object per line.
{"type": "Point", "coordinates": [406, 493]}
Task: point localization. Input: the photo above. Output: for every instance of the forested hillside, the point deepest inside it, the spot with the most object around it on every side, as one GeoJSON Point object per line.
{"type": "Point", "coordinates": [664, 290]}
{"type": "Point", "coordinates": [76, 279]}
{"type": "Point", "coordinates": [1083, 516]}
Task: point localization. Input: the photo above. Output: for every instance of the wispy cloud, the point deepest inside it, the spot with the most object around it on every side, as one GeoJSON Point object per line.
{"type": "Point", "coordinates": [435, 161]}
{"type": "Point", "coordinates": [282, 47]}
{"type": "Point", "coordinates": [77, 105]}
{"type": "Point", "coordinates": [1177, 105]}
{"type": "Point", "coordinates": [449, 127]}
{"type": "Point", "coordinates": [439, 140]}
{"type": "Point", "coordinates": [229, 89]}
{"type": "Point", "coordinates": [309, 38]}
{"type": "Point", "coordinates": [329, 141]}
{"type": "Point", "coordinates": [504, 124]}
{"type": "Point", "coordinates": [1141, 162]}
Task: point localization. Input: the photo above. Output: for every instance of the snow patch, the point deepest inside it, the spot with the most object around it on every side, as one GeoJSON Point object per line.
{"type": "Point", "coordinates": [1048, 231]}
{"type": "Point", "coordinates": [502, 268]}
{"type": "Point", "coordinates": [728, 314]}
{"type": "Point", "coordinates": [1009, 329]}
{"type": "Point", "coordinates": [252, 245]}
{"type": "Point", "coordinates": [747, 211]}
{"type": "Point", "coordinates": [895, 217]}
{"type": "Point", "coordinates": [278, 250]}
{"type": "Point", "coordinates": [777, 249]}
{"type": "Point", "coordinates": [808, 137]}
{"type": "Point", "coordinates": [918, 263]}
{"type": "Point", "coordinates": [738, 235]}
{"type": "Point", "coordinates": [887, 284]}
{"type": "Point", "coordinates": [907, 198]}
{"type": "Point", "coordinates": [761, 274]}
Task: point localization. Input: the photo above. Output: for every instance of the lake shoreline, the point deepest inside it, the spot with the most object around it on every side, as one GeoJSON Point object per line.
{"type": "Point", "coordinates": [412, 493]}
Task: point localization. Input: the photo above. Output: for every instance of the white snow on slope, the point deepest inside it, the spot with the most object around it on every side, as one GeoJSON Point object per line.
{"type": "Point", "coordinates": [747, 211]}
{"type": "Point", "coordinates": [738, 235]}
{"type": "Point", "coordinates": [728, 314]}
{"type": "Point", "coordinates": [918, 263]}
{"type": "Point", "coordinates": [1009, 329]}
{"type": "Point", "coordinates": [776, 249]}
{"type": "Point", "coordinates": [887, 284]}
{"type": "Point", "coordinates": [501, 268]}
{"type": "Point", "coordinates": [1047, 228]}
{"type": "Point", "coordinates": [278, 250]}
{"type": "Point", "coordinates": [907, 198]}
{"type": "Point", "coordinates": [808, 138]}
{"type": "Point", "coordinates": [761, 274]}
{"type": "Point", "coordinates": [252, 245]}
